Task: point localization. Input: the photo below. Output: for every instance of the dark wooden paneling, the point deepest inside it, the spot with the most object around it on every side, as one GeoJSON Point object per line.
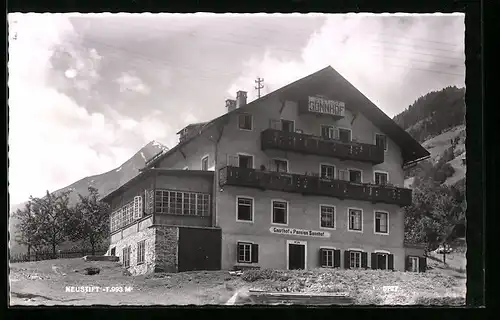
{"type": "Point", "coordinates": [199, 249]}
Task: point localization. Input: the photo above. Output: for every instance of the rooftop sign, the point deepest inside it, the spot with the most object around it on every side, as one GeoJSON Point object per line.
{"type": "Point", "coordinates": [299, 232]}
{"type": "Point", "coordinates": [325, 106]}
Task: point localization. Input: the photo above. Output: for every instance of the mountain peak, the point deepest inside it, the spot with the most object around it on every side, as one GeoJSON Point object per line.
{"type": "Point", "coordinates": [158, 145]}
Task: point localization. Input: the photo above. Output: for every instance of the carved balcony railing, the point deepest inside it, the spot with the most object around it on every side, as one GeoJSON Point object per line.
{"type": "Point", "coordinates": [314, 185]}
{"type": "Point", "coordinates": [309, 144]}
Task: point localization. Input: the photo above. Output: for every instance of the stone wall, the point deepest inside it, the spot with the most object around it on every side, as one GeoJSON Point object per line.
{"type": "Point", "coordinates": [132, 240]}
{"type": "Point", "coordinates": [166, 248]}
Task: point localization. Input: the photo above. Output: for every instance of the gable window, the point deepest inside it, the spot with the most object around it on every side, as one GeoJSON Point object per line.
{"type": "Point", "coordinates": [345, 135]}
{"type": "Point", "coordinates": [280, 212]}
{"type": "Point", "coordinates": [381, 222]}
{"type": "Point", "coordinates": [245, 121]}
{"type": "Point", "coordinates": [355, 219]}
{"type": "Point", "coordinates": [141, 251]}
{"type": "Point", "coordinates": [327, 171]}
{"type": "Point", "coordinates": [245, 161]}
{"type": "Point", "coordinates": [287, 126]}
{"type": "Point", "coordinates": [279, 165]}
{"type": "Point", "coordinates": [381, 178]}
{"type": "Point", "coordinates": [413, 264]}
{"type": "Point", "coordinates": [355, 175]}
{"type": "Point", "coordinates": [126, 257]}
{"type": "Point", "coordinates": [381, 141]}
{"type": "Point", "coordinates": [328, 132]}
{"type": "Point", "coordinates": [327, 216]}
{"type": "Point", "coordinates": [247, 252]}
{"type": "Point", "coordinates": [329, 258]}
{"type": "Point", "coordinates": [355, 259]}
{"type": "Point", "coordinates": [204, 163]}
{"type": "Point", "coordinates": [244, 209]}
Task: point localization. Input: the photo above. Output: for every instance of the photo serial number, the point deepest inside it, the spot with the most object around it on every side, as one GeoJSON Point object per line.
{"type": "Point", "coordinates": [116, 289]}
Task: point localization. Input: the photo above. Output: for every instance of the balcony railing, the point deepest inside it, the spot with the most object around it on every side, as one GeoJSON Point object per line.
{"type": "Point", "coordinates": [312, 185]}
{"type": "Point", "coordinates": [309, 144]}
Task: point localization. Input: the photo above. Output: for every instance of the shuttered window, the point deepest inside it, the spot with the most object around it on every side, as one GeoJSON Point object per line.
{"type": "Point", "coordinates": [329, 258]}
{"type": "Point", "coordinates": [247, 252]}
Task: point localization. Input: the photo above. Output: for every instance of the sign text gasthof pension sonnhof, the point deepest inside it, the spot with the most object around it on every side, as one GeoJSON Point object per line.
{"type": "Point", "coordinates": [325, 106]}
{"type": "Point", "coordinates": [299, 232]}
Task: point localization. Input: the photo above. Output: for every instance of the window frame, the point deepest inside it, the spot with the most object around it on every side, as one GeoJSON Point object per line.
{"type": "Point", "coordinates": [380, 172]}
{"type": "Point", "coordinates": [375, 222]}
{"type": "Point", "coordinates": [386, 146]}
{"type": "Point", "coordinates": [252, 211]}
{"type": "Point", "coordinates": [345, 129]}
{"type": "Point", "coordinates": [382, 252]}
{"type": "Point", "coordinates": [327, 165]}
{"type": "Point", "coordinates": [205, 157]}
{"type": "Point", "coordinates": [287, 208]}
{"type": "Point", "coordinates": [332, 249]}
{"type": "Point", "coordinates": [293, 124]}
{"type": "Point", "coordinates": [141, 253]}
{"type": "Point", "coordinates": [349, 220]}
{"type": "Point", "coordinates": [251, 121]}
{"type": "Point", "coordinates": [411, 258]}
{"type": "Point", "coordinates": [355, 251]}
{"type": "Point", "coordinates": [334, 216]}
{"type": "Point", "coordinates": [244, 243]}
{"type": "Point", "coordinates": [331, 128]}
{"type": "Point", "coordinates": [284, 160]}
{"type": "Point", "coordinates": [200, 207]}
{"type": "Point", "coordinates": [126, 262]}
{"type": "Point", "coordinates": [354, 169]}
{"type": "Point", "coordinates": [246, 155]}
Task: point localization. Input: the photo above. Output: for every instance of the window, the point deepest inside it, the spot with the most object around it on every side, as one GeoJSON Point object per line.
{"type": "Point", "coordinates": [355, 175]}
{"type": "Point", "coordinates": [381, 178]}
{"type": "Point", "coordinates": [328, 132]}
{"type": "Point", "coordinates": [287, 126]}
{"type": "Point", "coordinates": [247, 252]}
{"type": "Point", "coordinates": [381, 141]}
{"type": "Point", "coordinates": [327, 171]}
{"type": "Point", "coordinates": [245, 161]}
{"type": "Point", "coordinates": [413, 264]}
{"type": "Point", "coordinates": [343, 175]}
{"type": "Point", "coordinates": [141, 251]}
{"type": "Point", "coordinates": [245, 121]}
{"type": "Point", "coordinates": [244, 209]}
{"type": "Point", "coordinates": [355, 259]}
{"type": "Point", "coordinates": [113, 251]}
{"type": "Point", "coordinates": [280, 212]}
{"type": "Point", "coordinates": [204, 163]}
{"type": "Point", "coordinates": [126, 257]}
{"type": "Point", "coordinates": [279, 165]}
{"type": "Point", "coordinates": [330, 258]}
{"type": "Point", "coordinates": [345, 135]}
{"type": "Point", "coordinates": [355, 219]}
{"type": "Point", "coordinates": [381, 222]}
{"type": "Point", "coordinates": [138, 207]}
{"type": "Point", "coordinates": [182, 203]}
{"type": "Point", "coordinates": [327, 216]}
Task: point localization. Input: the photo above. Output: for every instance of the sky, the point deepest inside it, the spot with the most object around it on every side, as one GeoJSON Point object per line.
{"type": "Point", "coordinates": [86, 92]}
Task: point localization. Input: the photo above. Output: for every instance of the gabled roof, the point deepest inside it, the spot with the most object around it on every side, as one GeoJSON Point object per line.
{"type": "Point", "coordinates": [329, 80]}
{"type": "Point", "coordinates": [189, 126]}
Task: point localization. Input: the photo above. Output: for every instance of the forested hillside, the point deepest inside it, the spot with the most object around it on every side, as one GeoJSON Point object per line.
{"type": "Point", "coordinates": [433, 113]}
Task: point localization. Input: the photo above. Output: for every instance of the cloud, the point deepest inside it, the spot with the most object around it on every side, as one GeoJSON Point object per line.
{"type": "Point", "coordinates": [386, 60]}
{"type": "Point", "coordinates": [51, 138]}
{"type": "Point", "coordinates": [129, 82]}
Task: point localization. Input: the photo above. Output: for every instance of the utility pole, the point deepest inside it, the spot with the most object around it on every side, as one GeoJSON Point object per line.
{"type": "Point", "coordinates": [259, 85]}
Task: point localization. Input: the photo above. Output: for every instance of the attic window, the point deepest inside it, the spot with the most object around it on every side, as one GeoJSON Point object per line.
{"type": "Point", "coordinates": [245, 121]}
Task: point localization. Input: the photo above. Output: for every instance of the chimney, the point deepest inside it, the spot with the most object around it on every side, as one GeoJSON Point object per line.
{"type": "Point", "coordinates": [241, 99]}
{"type": "Point", "coordinates": [230, 105]}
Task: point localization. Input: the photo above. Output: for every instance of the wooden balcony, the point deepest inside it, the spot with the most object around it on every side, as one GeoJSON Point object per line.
{"type": "Point", "coordinates": [311, 185]}
{"type": "Point", "coordinates": [309, 144]}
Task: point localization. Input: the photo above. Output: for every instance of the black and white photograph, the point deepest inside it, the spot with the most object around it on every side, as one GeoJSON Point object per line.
{"type": "Point", "coordinates": [236, 159]}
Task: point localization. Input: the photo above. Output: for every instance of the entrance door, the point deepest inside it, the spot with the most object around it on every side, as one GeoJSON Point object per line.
{"type": "Point", "coordinates": [296, 256]}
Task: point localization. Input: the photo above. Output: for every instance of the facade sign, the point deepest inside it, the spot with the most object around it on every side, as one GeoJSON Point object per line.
{"type": "Point", "coordinates": [299, 232]}
{"type": "Point", "coordinates": [325, 106]}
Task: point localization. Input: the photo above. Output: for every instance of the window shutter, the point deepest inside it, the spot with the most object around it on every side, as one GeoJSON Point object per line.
{"type": "Point", "coordinates": [237, 252]}
{"type": "Point", "coordinates": [407, 263]}
{"type": "Point", "coordinates": [364, 260]}
{"type": "Point", "coordinates": [336, 134]}
{"type": "Point", "coordinates": [374, 260]}
{"type": "Point", "coordinates": [390, 262]}
{"type": "Point", "coordinates": [347, 259]}
{"type": "Point", "coordinates": [255, 253]}
{"type": "Point", "coordinates": [322, 258]}
{"type": "Point", "coordinates": [422, 264]}
{"type": "Point", "coordinates": [336, 258]}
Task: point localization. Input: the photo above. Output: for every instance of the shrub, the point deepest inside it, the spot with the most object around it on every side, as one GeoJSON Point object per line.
{"type": "Point", "coordinates": [265, 274]}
